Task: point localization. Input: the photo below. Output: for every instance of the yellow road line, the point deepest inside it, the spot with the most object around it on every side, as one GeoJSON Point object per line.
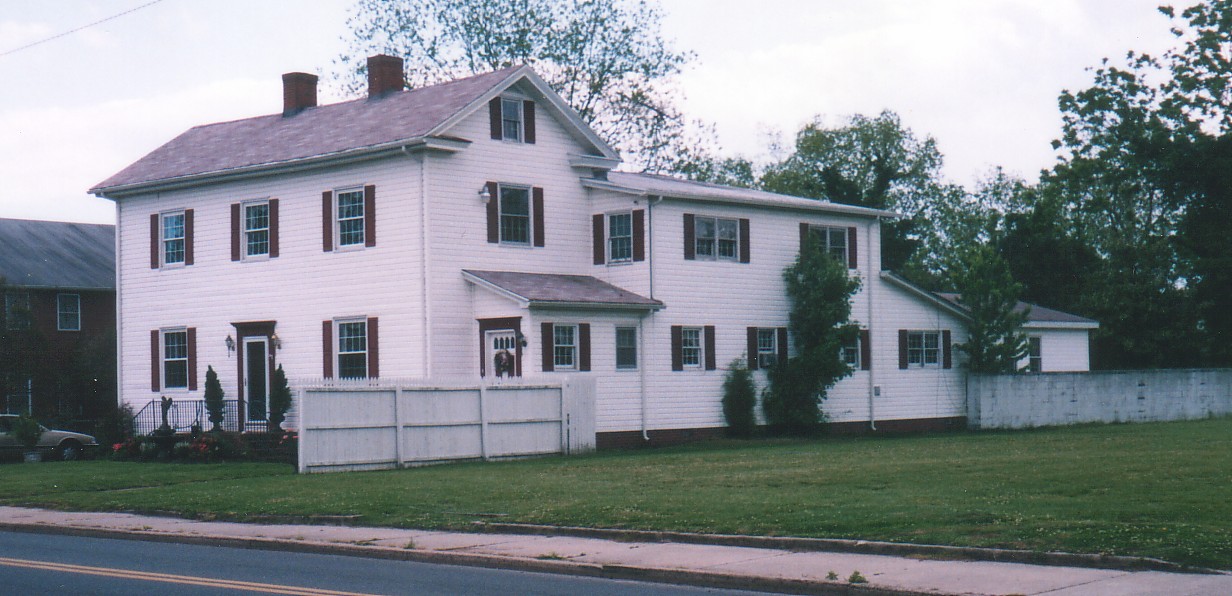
{"type": "Point", "coordinates": [172, 579]}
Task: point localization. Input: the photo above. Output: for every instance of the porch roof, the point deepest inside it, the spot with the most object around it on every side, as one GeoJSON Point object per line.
{"type": "Point", "coordinates": [554, 290]}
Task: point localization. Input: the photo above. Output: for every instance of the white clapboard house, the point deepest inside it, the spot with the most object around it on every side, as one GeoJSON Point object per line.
{"type": "Point", "coordinates": [426, 233]}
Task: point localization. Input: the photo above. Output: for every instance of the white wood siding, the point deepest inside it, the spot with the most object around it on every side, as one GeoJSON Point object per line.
{"type": "Point", "coordinates": [1063, 350]}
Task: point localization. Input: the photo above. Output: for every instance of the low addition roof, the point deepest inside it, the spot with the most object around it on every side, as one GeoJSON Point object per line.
{"type": "Point", "coordinates": [677, 188]}
{"type": "Point", "coordinates": [57, 255]}
{"type": "Point", "coordinates": [554, 290]}
{"type": "Point", "coordinates": [1040, 316]}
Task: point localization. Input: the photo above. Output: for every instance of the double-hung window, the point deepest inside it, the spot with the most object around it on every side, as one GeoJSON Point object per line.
{"type": "Point", "coordinates": [620, 237]}
{"type": "Point", "coordinates": [17, 310]}
{"type": "Point", "coordinates": [833, 241]}
{"type": "Point", "coordinates": [351, 217]}
{"type": "Point", "coordinates": [626, 348]}
{"type": "Point", "coordinates": [257, 229]}
{"type": "Point", "coordinates": [68, 312]}
{"type": "Point", "coordinates": [850, 353]}
{"type": "Point", "coordinates": [175, 359]}
{"type": "Point", "coordinates": [691, 347]}
{"type": "Point", "coordinates": [923, 348]}
{"type": "Point", "coordinates": [767, 347]}
{"type": "Point", "coordinates": [173, 239]}
{"type": "Point", "coordinates": [353, 349]}
{"type": "Point", "coordinates": [511, 119]}
{"type": "Point", "coordinates": [1035, 354]}
{"type": "Point", "coordinates": [717, 238]}
{"type": "Point", "coordinates": [564, 341]}
{"type": "Point", "coordinates": [514, 215]}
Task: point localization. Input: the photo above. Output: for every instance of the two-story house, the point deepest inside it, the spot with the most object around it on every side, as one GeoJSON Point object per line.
{"type": "Point", "coordinates": [478, 228]}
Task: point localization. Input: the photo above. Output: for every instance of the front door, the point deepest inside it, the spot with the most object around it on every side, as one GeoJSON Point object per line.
{"type": "Point", "coordinates": [256, 377]}
{"type": "Point", "coordinates": [502, 352]}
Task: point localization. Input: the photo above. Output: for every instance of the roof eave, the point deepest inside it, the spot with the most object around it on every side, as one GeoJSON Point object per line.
{"type": "Point", "coordinates": [821, 206]}
{"type": "Point", "coordinates": [622, 306]}
{"type": "Point", "coordinates": [925, 295]}
{"type": "Point", "coordinates": [1061, 325]}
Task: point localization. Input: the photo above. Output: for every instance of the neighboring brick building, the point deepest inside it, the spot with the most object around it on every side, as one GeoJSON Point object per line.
{"type": "Point", "coordinates": [57, 325]}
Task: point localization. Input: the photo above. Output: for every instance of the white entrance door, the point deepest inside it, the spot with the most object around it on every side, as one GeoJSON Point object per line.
{"type": "Point", "coordinates": [256, 377]}
{"type": "Point", "coordinates": [501, 352]}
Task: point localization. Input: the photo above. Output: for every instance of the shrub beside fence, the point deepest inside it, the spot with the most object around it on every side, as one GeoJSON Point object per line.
{"type": "Point", "coordinates": [1052, 399]}
{"type": "Point", "coordinates": [395, 424]}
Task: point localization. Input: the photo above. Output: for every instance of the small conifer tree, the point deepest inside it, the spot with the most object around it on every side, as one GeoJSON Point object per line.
{"type": "Point", "coordinates": [280, 400]}
{"type": "Point", "coordinates": [214, 399]}
{"type": "Point", "coordinates": [995, 340]}
{"type": "Point", "coordinates": [739, 397]}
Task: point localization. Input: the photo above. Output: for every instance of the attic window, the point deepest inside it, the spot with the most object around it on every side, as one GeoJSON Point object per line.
{"type": "Point", "coordinates": [511, 119]}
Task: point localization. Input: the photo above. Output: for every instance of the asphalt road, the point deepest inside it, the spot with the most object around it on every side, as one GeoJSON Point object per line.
{"type": "Point", "coordinates": [55, 564]}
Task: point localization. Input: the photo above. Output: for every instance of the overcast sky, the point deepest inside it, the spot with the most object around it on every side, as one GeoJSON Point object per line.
{"type": "Point", "coordinates": [980, 76]}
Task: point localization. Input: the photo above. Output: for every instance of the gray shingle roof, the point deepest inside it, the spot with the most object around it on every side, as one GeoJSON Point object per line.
{"type": "Point", "coordinates": [323, 130]}
{"type": "Point", "coordinates": [551, 289]}
{"type": "Point", "coordinates": [1038, 314]}
{"type": "Point", "coordinates": [53, 254]}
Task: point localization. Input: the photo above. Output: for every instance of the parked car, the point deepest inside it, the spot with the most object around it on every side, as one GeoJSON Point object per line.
{"type": "Point", "coordinates": [66, 445]}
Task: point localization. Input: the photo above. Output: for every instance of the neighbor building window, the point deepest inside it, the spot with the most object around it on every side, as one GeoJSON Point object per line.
{"type": "Point", "coordinates": [691, 347]}
{"type": "Point", "coordinates": [620, 237]}
{"type": "Point", "coordinates": [626, 348]}
{"type": "Point", "coordinates": [351, 217]}
{"type": "Point", "coordinates": [564, 341]}
{"type": "Point", "coordinates": [514, 215]}
{"type": "Point", "coordinates": [173, 238]}
{"type": "Point", "coordinates": [767, 347]}
{"type": "Point", "coordinates": [68, 312]}
{"type": "Point", "coordinates": [511, 119]}
{"type": "Point", "coordinates": [851, 353]}
{"type": "Point", "coordinates": [1035, 359]}
{"type": "Point", "coordinates": [17, 310]}
{"type": "Point", "coordinates": [257, 229]}
{"type": "Point", "coordinates": [175, 359]}
{"type": "Point", "coordinates": [353, 349]}
{"type": "Point", "coordinates": [923, 348]}
{"type": "Point", "coordinates": [717, 238]}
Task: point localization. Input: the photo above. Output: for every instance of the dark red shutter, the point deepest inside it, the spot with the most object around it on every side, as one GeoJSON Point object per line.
{"type": "Point", "coordinates": [852, 263]}
{"type": "Point", "coordinates": [374, 349]}
{"type": "Point", "coordinates": [866, 350]}
{"type": "Point", "coordinates": [327, 221]}
{"type": "Point", "coordinates": [677, 347]}
{"type": "Point", "coordinates": [188, 236]}
{"type": "Point", "coordinates": [537, 205]}
{"type": "Point", "coordinates": [235, 231]}
{"type": "Point", "coordinates": [639, 234]}
{"type": "Point", "coordinates": [192, 358]}
{"type": "Point", "coordinates": [752, 349]}
{"type": "Point", "coordinates": [548, 343]}
{"type": "Point", "coordinates": [946, 351]}
{"type": "Point", "coordinates": [327, 348]}
{"type": "Point", "coordinates": [493, 212]}
{"type": "Point", "coordinates": [156, 361]}
{"type": "Point", "coordinates": [154, 236]}
{"type": "Point", "coordinates": [494, 118]}
{"type": "Point", "coordinates": [710, 359]}
{"type": "Point", "coordinates": [369, 215]}
{"type": "Point", "coordinates": [902, 348]}
{"type": "Point", "coordinates": [584, 346]}
{"type": "Point", "coordinates": [804, 236]}
{"type": "Point", "coordinates": [597, 237]}
{"type": "Point", "coordinates": [690, 238]}
{"type": "Point", "coordinates": [528, 121]}
{"type": "Point", "coordinates": [782, 345]}
{"type": "Point", "coordinates": [746, 251]}
{"type": "Point", "coordinates": [273, 228]}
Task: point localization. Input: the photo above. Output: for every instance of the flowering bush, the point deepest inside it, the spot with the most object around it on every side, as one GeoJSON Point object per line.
{"type": "Point", "coordinates": [129, 448]}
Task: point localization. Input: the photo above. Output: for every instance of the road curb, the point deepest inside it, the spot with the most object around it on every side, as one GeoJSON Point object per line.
{"type": "Point", "coordinates": [687, 577]}
{"type": "Point", "coordinates": [864, 547]}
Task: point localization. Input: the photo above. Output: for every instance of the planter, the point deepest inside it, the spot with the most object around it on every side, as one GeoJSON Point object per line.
{"type": "Point", "coordinates": [34, 457]}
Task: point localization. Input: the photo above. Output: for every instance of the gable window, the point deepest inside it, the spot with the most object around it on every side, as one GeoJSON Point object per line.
{"type": "Point", "coordinates": [564, 347]}
{"type": "Point", "coordinates": [353, 349]}
{"type": "Point", "coordinates": [514, 215]}
{"type": "Point", "coordinates": [626, 348]}
{"type": "Point", "coordinates": [17, 310]}
{"type": "Point", "coordinates": [175, 359]}
{"type": "Point", "coordinates": [1035, 355]}
{"type": "Point", "coordinates": [767, 347]}
{"type": "Point", "coordinates": [257, 229]}
{"type": "Point", "coordinates": [620, 237]}
{"type": "Point", "coordinates": [851, 353]}
{"type": "Point", "coordinates": [717, 238]}
{"type": "Point", "coordinates": [511, 119]}
{"type": "Point", "coordinates": [691, 347]}
{"type": "Point", "coordinates": [923, 348]}
{"type": "Point", "coordinates": [68, 312]}
{"type": "Point", "coordinates": [350, 217]}
{"type": "Point", "coordinates": [173, 238]}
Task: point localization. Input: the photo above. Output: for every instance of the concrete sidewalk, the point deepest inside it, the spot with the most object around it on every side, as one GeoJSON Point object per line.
{"type": "Point", "coordinates": [767, 569]}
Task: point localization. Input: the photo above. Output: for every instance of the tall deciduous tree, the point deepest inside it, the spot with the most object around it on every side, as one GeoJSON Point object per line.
{"type": "Point", "coordinates": [607, 58]}
{"type": "Point", "coordinates": [995, 340]}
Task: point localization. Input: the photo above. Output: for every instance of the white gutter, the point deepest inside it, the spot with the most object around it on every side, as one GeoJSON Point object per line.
{"type": "Point", "coordinates": [872, 385]}
{"type": "Point", "coordinates": [119, 295]}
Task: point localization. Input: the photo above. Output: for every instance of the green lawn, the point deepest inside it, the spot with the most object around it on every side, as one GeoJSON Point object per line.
{"type": "Point", "coordinates": [1159, 490]}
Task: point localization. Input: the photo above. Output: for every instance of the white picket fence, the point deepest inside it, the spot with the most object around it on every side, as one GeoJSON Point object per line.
{"type": "Point", "coordinates": [386, 424]}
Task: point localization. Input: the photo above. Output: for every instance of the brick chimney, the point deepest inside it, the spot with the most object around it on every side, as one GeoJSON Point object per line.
{"type": "Point", "coordinates": [299, 91]}
{"type": "Point", "coordinates": [384, 75]}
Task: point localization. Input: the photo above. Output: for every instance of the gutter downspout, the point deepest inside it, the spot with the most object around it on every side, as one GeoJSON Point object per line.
{"type": "Point", "coordinates": [873, 281]}
{"type": "Point", "coordinates": [641, 334]}
{"type": "Point", "coordinates": [118, 319]}
{"type": "Point", "coordinates": [425, 306]}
